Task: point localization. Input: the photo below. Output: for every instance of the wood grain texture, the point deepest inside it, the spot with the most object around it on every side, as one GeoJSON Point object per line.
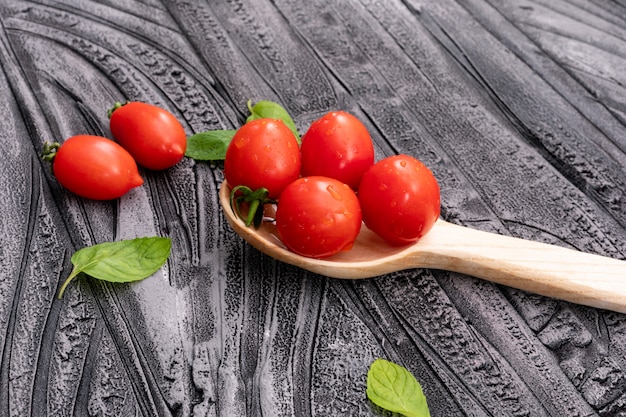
{"type": "Point", "coordinates": [517, 106]}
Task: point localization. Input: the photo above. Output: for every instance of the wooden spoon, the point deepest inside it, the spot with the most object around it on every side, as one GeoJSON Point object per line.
{"type": "Point", "coordinates": [549, 270]}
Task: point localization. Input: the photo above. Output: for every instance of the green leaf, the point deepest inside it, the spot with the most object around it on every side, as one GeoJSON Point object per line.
{"type": "Point", "coordinates": [394, 388]}
{"type": "Point", "coordinates": [124, 261]}
{"type": "Point", "coordinates": [268, 109]}
{"type": "Point", "coordinates": [210, 145]}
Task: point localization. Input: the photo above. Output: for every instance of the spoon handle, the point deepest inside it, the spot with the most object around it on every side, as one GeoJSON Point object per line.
{"type": "Point", "coordinates": [549, 270]}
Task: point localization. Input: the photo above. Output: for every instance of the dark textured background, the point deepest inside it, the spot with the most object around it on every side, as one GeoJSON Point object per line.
{"type": "Point", "coordinates": [518, 107]}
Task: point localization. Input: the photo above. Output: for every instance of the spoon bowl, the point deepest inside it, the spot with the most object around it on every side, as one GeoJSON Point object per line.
{"type": "Point", "coordinates": [544, 269]}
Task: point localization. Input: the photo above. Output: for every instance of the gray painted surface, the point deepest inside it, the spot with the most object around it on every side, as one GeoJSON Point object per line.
{"type": "Point", "coordinates": [518, 107]}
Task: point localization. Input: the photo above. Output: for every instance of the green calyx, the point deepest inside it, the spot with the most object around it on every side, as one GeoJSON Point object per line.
{"type": "Point", "coordinates": [255, 199]}
{"type": "Point", "coordinates": [49, 151]}
{"type": "Point", "coordinates": [116, 106]}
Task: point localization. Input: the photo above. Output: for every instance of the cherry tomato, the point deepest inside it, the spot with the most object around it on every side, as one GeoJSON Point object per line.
{"type": "Point", "coordinates": [262, 154]}
{"type": "Point", "coordinates": [400, 199]}
{"type": "Point", "coordinates": [95, 167]}
{"type": "Point", "coordinates": [337, 145]}
{"type": "Point", "coordinates": [152, 135]}
{"type": "Point", "coordinates": [318, 216]}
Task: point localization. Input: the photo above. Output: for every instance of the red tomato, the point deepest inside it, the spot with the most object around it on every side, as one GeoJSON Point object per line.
{"type": "Point", "coordinates": [95, 167]}
{"type": "Point", "coordinates": [400, 199]}
{"type": "Point", "coordinates": [262, 154]}
{"type": "Point", "coordinates": [318, 216]}
{"type": "Point", "coordinates": [339, 146]}
{"type": "Point", "coordinates": [152, 135]}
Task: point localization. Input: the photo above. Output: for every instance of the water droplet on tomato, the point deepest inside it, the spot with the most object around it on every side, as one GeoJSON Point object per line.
{"type": "Point", "coordinates": [403, 163]}
{"type": "Point", "coordinates": [240, 143]}
{"type": "Point", "coordinates": [334, 192]}
{"type": "Point", "coordinates": [328, 220]}
{"type": "Point", "coordinates": [383, 187]}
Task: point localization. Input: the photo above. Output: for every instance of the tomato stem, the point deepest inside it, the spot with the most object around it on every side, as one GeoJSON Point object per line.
{"type": "Point", "coordinates": [116, 106]}
{"type": "Point", "coordinates": [256, 200]}
{"type": "Point", "coordinates": [49, 151]}
{"type": "Point", "coordinates": [252, 210]}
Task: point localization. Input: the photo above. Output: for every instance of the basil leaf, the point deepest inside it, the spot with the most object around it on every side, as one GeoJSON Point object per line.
{"type": "Point", "coordinates": [210, 145]}
{"type": "Point", "coordinates": [395, 389]}
{"type": "Point", "coordinates": [268, 109]}
{"type": "Point", "coordinates": [123, 261]}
